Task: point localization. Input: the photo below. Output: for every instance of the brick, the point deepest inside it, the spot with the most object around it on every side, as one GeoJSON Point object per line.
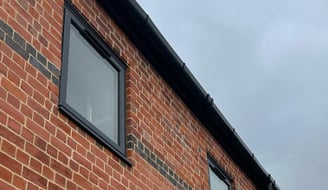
{"type": "Point", "coordinates": [82, 182]}
{"type": "Point", "coordinates": [27, 135]}
{"type": "Point", "coordinates": [26, 88]}
{"type": "Point", "coordinates": [50, 128]}
{"type": "Point", "coordinates": [61, 136]}
{"type": "Point", "coordinates": [31, 70]}
{"type": "Point", "coordinates": [81, 140]}
{"type": "Point", "coordinates": [15, 46]}
{"type": "Point", "coordinates": [60, 180]}
{"type": "Point", "coordinates": [55, 80]}
{"type": "Point", "coordinates": [41, 59]}
{"type": "Point", "coordinates": [19, 182]}
{"type": "Point", "coordinates": [84, 172]}
{"type": "Point", "coordinates": [13, 77]}
{"type": "Point", "coordinates": [12, 100]}
{"type": "Point", "coordinates": [47, 7]}
{"type": "Point", "coordinates": [99, 153]}
{"type": "Point", "coordinates": [81, 160]}
{"type": "Point", "coordinates": [2, 34]}
{"type": "Point", "coordinates": [36, 85]}
{"type": "Point", "coordinates": [20, 62]}
{"type": "Point", "coordinates": [8, 8]}
{"type": "Point", "coordinates": [19, 40]}
{"type": "Point", "coordinates": [10, 163]}
{"type": "Point", "coordinates": [5, 174]}
{"type": "Point", "coordinates": [57, 7]}
{"type": "Point", "coordinates": [40, 67]}
{"type": "Point", "coordinates": [53, 39]}
{"type": "Point", "coordinates": [42, 79]}
{"type": "Point", "coordinates": [13, 89]}
{"type": "Point", "coordinates": [91, 157]}
{"type": "Point", "coordinates": [101, 174]}
{"type": "Point", "coordinates": [31, 186]}
{"type": "Point", "coordinates": [73, 165]}
{"type": "Point", "coordinates": [54, 93]}
{"type": "Point", "coordinates": [37, 26]}
{"type": "Point", "coordinates": [22, 157]}
{"type": "Point", "coordinates": [30, 50]}
{"type": "Point", "coordinates": [36, 44]}
{"type": "Point", "coordinates": [48, 105]}
{"type": "Point", "coordinates": [11, 111]}
{"type": "Point", "coordinates": [23, 3]}
{"type": "Point", "coordinates": [7, 29]}
{"type": "Point", "coordinates": [70, 185]}
{"type": "Point", "coordinates": [38, 154]}
{"type": "Point", "coordinates": [3, 67]}
{"type": "Point", "coordinates": [6, 186]}
{"type": "Point", "coordinates": [3, 13]}
{"type": "Point", "coordinates": [61, 146]}
{"type": "Point", "coordinates": [93, 178]}
{"type": "Point", "coordinates": [12, 137]}
{"type": "Point", "coordinates": [6, 54]}
{"type": "Point", "coordinates": [37, 129]}
{"type": "Point", "coordinates": [35, 178]}
{"type": "Point", "coordinates": [8, 148]}
{"type": "Point", "coordinates": [3, 118]}
{"type": "Point", "coordinates": [21, 20]}
{"type": "Point", "coordinates": [48, 173]}
{"type": "Point", "coordinates": [52, 151]}
{"type": "Point", "coordinates": [53, 69]}
{"type": "Point", "coordinates": [100, 163]}
{"type": "Point", "coordinates": [40, 143]}
{"type": "Point", "coordinates": [18, 27]}
{"type": "Point", "coordinates": [63, 158]}
{"type": "Point", "coordinates": [40, 99]}
{"type": "Point", "coordinates": [52, 186]}
{"type": "Point", "coordinates": [51, 57]}
{"type": "Point", "coordinates": [103, 184]}
{"type": "Point", "coordinates": [43, 40]}
{"type": "Point", "coordinates": [31, 2]}
{"type": "Point", "coordinates": [21, 7]}
{"type": "Point", "coordinates": [33, 13]}
{"type": "Point", "coordinates": [35, 165]}
{"type": "Point", "coordinates": [57, 34]}
{"type": "Point", "coordinates": [117, 185]}
{"type": "Point", "coordinates": [38, 107]}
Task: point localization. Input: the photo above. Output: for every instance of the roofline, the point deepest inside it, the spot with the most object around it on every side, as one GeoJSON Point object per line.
{"type": "Point", "coordinates": [140, 29]}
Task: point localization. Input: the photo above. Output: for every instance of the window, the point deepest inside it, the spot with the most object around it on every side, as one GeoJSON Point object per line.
{"type": "Point", "coordinates": [92, 83]}
{"type": "Point", "coordinates": [216, 183]}
{"type": "Point", "coordinates": [218, 180]}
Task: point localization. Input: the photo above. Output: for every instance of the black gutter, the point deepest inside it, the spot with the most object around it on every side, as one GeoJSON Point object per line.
{"type": "Point", "coordinates": [144, 34]}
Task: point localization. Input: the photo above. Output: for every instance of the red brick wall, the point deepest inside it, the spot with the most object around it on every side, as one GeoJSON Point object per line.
{"type": "Point", "coordinates": [40, 148]}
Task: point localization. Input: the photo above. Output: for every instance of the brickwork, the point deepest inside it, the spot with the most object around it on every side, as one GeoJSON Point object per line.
{"type": "Point", "coordinates": [41, 148]}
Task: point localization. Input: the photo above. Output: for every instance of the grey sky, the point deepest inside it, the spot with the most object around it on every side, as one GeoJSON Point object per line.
{"type": "Point", "coordinates": [265, 64]}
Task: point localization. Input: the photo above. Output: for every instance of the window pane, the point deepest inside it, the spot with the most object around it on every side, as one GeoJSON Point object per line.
{"type": "Point", "coordinates": [216, 183]}
{"type": "Point", "coordinates": [92, 86]}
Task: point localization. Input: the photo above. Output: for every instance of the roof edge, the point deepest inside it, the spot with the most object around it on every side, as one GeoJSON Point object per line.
{"type": "Point", "coordinates": [137, 25]}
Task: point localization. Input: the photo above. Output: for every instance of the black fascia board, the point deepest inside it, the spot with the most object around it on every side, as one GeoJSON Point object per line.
{"type": "Point", "coordinates": [137, 25]}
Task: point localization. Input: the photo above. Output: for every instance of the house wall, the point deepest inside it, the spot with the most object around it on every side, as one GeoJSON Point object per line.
{"type": "Point", "coordinates": [41, 148]}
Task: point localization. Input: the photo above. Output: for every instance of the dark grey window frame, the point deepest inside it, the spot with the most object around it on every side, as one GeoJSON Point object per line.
{"type": "Point", "coordinates": [73, 17]}
{"type": "Point", "coordinates": [214, 166]}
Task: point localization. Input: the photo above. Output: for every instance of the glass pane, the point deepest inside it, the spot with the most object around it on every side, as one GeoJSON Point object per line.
{"type": "Point", "coordinates": [92, 86]}
{"type": "Point", "coordinates": [216, 183]}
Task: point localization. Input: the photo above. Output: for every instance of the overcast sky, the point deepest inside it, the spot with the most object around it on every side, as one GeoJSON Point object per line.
{"type": "Point", "coordinates": [265, 63]}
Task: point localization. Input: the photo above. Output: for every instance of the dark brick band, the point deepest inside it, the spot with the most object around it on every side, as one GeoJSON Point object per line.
{"type": "Point", "coordinates": [134, 144]}
{"type": "Point", "coordinates": [26, 50]}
